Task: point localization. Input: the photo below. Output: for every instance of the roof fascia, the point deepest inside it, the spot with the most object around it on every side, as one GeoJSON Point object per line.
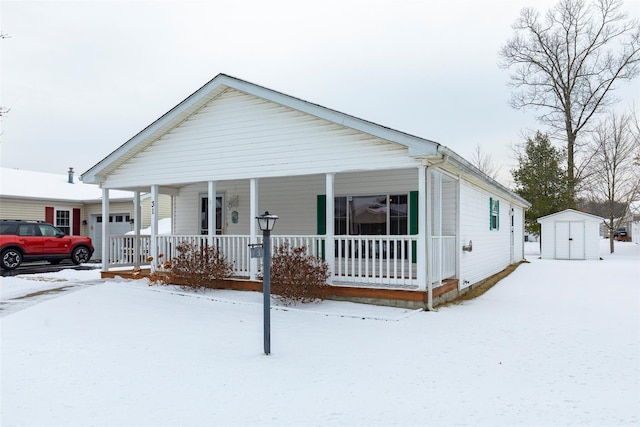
{"type": "Point", "coordinates": [417, 146]}
{"type": "Point", "coordinates": [547, 217]}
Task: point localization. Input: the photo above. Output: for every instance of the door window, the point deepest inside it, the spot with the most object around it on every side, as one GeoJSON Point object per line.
{"type": "Point", "coordinates": [204, 214]}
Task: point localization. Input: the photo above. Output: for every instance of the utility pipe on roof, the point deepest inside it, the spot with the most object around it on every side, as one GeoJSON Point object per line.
{"type": "Point", "coordinates": [443, 160]}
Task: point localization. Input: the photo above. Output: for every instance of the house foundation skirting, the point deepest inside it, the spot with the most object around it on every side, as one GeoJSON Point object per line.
{"type": "Point", "coordinates": [405, 298]}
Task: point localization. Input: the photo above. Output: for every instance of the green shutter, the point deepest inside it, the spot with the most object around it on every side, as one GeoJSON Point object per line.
{"type": "Point", "coordinates": [490, 213]}
{"type": "Point", "coordinates": [321, 218]}
{"type": "Point", "coordinates": [413, 212]}
{"type": "Point", "coordinates": [321, 214]}
{"type": "Point", "coordinates": [413, 221]}
{"type": "Point", "coordinates": [498, 214]}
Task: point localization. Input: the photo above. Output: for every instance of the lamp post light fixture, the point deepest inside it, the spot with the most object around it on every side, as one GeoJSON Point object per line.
{"type": "Point", "coordinates": [266, 222]}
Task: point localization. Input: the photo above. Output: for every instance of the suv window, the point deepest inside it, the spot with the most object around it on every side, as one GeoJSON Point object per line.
{"type": "Point", "coordinates": [27, 230]}
{"type": "Point", "coordinates": [48, 230]}
{"type": "Point", "coordinates": [6, 228]}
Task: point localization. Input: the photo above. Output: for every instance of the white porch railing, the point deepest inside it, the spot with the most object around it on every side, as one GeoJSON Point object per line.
{"type": "Point", "coordinates": [377, 260]}
{"type": "Point", "coordinates": [363, 260]}
{"type": "Point", "coordinates": [121, 253]}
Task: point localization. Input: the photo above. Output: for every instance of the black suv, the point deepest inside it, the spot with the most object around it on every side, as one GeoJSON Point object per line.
{"type": "Point", "coordinates": [620, 233]}
{"type": "Point", "coordinates": [38, 241]}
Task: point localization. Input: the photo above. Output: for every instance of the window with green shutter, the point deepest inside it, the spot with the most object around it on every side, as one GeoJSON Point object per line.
{"type": "Point", "coordinates": [494, 214]}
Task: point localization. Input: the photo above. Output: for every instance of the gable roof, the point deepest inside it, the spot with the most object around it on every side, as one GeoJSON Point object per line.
{"type": "Point", "coordinates": [32, 185]}
{"type": "Point", "coordinates": [570, 212]}
{"type": "Point", "coordinates": [418, 147]}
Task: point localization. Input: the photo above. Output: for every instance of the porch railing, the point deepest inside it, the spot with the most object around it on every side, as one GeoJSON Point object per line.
{"type": "Point", "coordinates": [121, 250]}
{"type": "Point", "coordinates": [388, 260]}
{"type": "Point", "coordinates": [371, 260]}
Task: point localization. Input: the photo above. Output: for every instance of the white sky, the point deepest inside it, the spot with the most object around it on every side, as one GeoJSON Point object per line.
{"type": "Point", "coordinates": [83, 77]}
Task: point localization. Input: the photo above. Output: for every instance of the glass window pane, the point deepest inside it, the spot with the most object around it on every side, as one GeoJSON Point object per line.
{"type": "Point", "coordinates": [368, 215]}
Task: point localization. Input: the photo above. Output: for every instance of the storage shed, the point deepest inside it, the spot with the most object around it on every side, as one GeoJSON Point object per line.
{"type": "Point", "coordinates": [570, 234]}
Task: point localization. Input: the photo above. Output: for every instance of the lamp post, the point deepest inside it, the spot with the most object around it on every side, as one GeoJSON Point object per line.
{"type": "Point", "coordinates": [266, 222]}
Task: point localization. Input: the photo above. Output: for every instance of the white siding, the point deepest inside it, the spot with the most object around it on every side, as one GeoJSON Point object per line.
{"type": "Point", "coordinates": [518, 234]}
{"type": "Point", "coordinates": [293, 199]}
{"type": "Point", "coordinates": [240, 136]}
{"type": "Point", "coordinates": [590, 244]}
{"type": "Point", "coordinates": [491, 248]}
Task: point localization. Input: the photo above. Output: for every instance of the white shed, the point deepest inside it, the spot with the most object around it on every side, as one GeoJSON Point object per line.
{"type": "Point", "coordinates": [570, 235]}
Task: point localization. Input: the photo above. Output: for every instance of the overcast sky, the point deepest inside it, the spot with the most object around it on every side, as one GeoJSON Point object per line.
{"type": "Point", "coordinates": [82, 77]}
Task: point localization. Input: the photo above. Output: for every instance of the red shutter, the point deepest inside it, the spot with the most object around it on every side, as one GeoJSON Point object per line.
{"type": "Point", "coordinates": [76, 222]}
{"type": "Point", "coordinates": [48, 214]}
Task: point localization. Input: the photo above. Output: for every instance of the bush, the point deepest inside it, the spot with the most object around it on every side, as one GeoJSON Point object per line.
{"type": "Point", "coordinates": [194, 268]}
{"type": "Point", "coordinates": [297, 277]}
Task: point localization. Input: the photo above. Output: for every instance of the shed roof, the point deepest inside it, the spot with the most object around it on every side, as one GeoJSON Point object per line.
{"type": "Point", "coordinates": [570, 213]}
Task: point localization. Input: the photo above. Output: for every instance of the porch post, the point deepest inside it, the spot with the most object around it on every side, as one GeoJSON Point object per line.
{"type": "Point", "coordinates": [429, 253]}
{"type": "Point", "coordinates": [105, 229]}
{"type": "Point", "coordinates": [137, 220]}
{"type": "Point", "coordinates": [422, 229]}
{"type": "Point", "coordinates": [253, 236]}
{"type": "Point", "coordinates": [212, 212]}
{"type": "Point", "coordinates": [154, 227]}
{"type": "Point", "coordinates": [329, 230]}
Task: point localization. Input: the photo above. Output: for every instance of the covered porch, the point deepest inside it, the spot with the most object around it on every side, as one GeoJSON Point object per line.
{"type": "Point", "coordinates": [422, 254]}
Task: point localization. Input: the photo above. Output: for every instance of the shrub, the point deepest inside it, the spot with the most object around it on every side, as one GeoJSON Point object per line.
{"type": "Point", "coordinates": [297, 277]}
{"type": "Point", "coordinates": [194, 268]}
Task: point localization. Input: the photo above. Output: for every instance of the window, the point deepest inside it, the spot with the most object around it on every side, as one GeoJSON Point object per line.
{"type": "Point", "coordinates": [494, 214]}
{"type": "Point", "coordinates": [27, 230]}
{"type": "Point", "coordinates": [204, 214]}
{"type": "Point", "coordinates": [63, 221]}
{"type": "Point", "coordinates": [371, 215]}
{"type": "Point", "coordinates": [47, 230]}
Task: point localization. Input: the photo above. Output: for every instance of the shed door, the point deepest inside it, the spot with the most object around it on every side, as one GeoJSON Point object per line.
{"type": "Point", "coordinates": [570, 240]}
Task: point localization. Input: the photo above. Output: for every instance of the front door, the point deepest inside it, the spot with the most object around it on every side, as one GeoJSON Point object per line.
{"type": "Point", "coordinates": [204, 214]}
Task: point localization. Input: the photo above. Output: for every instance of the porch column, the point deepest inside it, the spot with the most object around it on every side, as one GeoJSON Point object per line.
{"type": "Point", "coordinates": [329, 230]}
{"type": "Point", "coordinates": [212, 212]}
{"type": "Point", "coordinates": [421, 249]}
{"type": "Point", "coordinates": [137, 220]}
{"type": "Point", "coordinates": [105, 229]}
{"type": "Point", "coordinates": [253, 235]}
{"type": "Point", "coordinates": [428, 235]}
{"type": "Point", "coordinates": [154, 227]}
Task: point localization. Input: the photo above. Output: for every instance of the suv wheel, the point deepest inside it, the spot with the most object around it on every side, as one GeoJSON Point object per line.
{"type": "Point", "coordinates": [80, 254]}
{"type": "Point", "coordinates": [11, 259]}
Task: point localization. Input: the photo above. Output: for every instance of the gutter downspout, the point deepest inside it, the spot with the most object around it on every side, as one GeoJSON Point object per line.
{"type": "Point", "coordinates": [443, 160]}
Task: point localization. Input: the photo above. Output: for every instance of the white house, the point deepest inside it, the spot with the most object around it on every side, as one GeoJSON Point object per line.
{"type": "Point", "coordinates": [397, 217]}
{"type": "Point", "coordinates": [570, 234]}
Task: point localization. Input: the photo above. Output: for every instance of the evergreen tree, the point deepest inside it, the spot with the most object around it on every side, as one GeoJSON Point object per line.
{"type": "Point", "coordinates": [541, 179]}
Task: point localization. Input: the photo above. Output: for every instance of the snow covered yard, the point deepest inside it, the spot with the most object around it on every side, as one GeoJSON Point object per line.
{"type": "Point", "coordinates": [555, 343]}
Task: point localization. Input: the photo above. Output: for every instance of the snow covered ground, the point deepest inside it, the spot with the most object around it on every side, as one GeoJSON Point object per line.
{"type": "Point", "coordinates": [555, 343]}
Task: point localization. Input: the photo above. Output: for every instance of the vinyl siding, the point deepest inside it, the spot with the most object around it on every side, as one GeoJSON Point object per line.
{"type": "Point", "coordinates": [293, 199]}
{"type": "Point", "coordinates": [35, 210]}
{"type": "Point", "coordinates": [240, 136]}
{"type": "Point", "coordinates": [491, 248]}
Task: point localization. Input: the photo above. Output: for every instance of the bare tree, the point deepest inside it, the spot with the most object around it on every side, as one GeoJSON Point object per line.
{"type": "Point", "coordinates": [615, 177]}
{"type": "Point", "coordinates": [567, 65]}
{"type": "Point", "coordinates": [485, 163]}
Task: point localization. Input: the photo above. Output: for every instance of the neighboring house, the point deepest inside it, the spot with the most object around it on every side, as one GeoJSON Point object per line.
{"type": "Point", "coordinates": [570, 234]}
{"type": "Point", "coordinates": [64, 201]}
{"type": "Point", "coordinates": [631, 221]}
{"type": "Point", "coordinates": [396, 217]}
